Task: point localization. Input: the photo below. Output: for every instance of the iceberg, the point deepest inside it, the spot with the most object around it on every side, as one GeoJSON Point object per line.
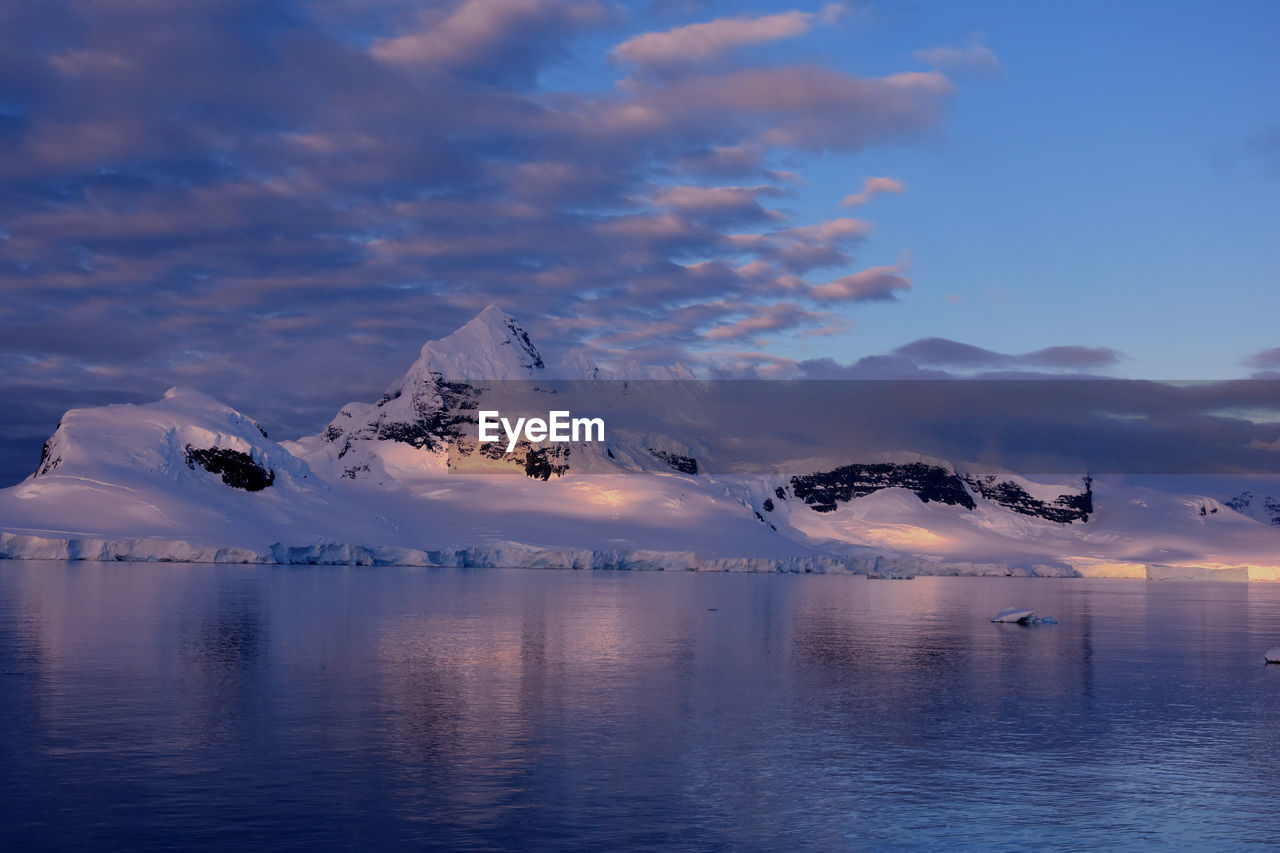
{"type": "Point", "coordinates": [1014, 614]}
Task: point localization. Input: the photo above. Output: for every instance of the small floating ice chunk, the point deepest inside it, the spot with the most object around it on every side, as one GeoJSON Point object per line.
{"type": "Point", "coordinates": [1272, 655]}
{"type": "Point", "coordinates": [1014, 614]}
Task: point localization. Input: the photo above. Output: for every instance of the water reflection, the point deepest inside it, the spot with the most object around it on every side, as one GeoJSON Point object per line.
{"type": "Point", "coordinates": [150, 706]}
{"type": "Point", "coordinates": [230, 636]}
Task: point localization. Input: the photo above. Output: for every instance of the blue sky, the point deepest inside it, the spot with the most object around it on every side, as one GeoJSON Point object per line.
{"type": "Point", "coordinates": [278, 206]}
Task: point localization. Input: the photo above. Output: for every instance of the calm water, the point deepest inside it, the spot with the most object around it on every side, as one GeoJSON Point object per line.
{"type": "Point", "coordinates": [167, 706]}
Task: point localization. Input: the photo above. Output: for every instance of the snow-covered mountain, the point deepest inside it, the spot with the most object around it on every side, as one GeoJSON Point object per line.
{"type": "Point", "coordinates": [417, 421]}
{"type": "Point", "coordinates": [404, 480]}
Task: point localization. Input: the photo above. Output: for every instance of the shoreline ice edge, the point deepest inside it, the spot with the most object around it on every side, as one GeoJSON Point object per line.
{"type": "Point", "coordinates": [21, 546]}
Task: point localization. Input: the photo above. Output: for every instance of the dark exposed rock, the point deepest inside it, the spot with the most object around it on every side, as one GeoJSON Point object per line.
{"type": "Point", "coordinates": [416, 434]}
{"type": "Point", "coordinates": [676, 462]}
{"type": "Point", "coordinates": [768, 504]}
{"type": "Point", "coordinates": [1270, 506]}
{"type": "Point", "coordinates": [1063, 510]}
{"type": "Point", "coordinates": [825, 490]}
{"type": "Point", "coordinates": [1240, 502]}
{"type": "Point", "coordinates": [528, 344]}
{"type": "Point", "coordinates": [237, 469]}
{"type": "Point", "coordinates": [781, 493]}
{"type": "Point", "coordinates": [458, 395]}
{"type": "Point", "coordinates": [541, 463]}
{"type": "Point", "coordinates": [444, 409]}
{"type": "Point", "coordinates": [47, 460]}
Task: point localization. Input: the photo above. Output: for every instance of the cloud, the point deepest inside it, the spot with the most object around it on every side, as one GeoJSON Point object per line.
{"type": "Point", "coordinates": [489, 39]}
{"type": "Point", "coordinates": [704, 42]}
{"type": "Point", "coordinates": [1076, 357]}
{"type": "Point", "coordinates": [872, 187]}
{"type": "Point", "coordinates": [723, 160]}
{"type": "Point", "coordinates": [767, 318]}
{"type": "Point", "coordinates": [876, 284]}
{"type": "Point", "coordinates": [833, 230]}
{"type": "Point", "coordinates": [781, 255]}
{"type": "Point", "coordinates": [721, 203]}
{"type": "Point", "coordinates": [976, 58]}
{"type": "Point", "coordinates": [805, 108]}
{"type": "Point", "coordinates": [733, 161]}
{"type": "Point", "coordinates": [943, 352]}
{"type": "Point", "coordinates": [76, 62]}
{"type": "Point", "coordinates": [1266, 360]}
{"type": "Point", "coordinates": [868, 367]}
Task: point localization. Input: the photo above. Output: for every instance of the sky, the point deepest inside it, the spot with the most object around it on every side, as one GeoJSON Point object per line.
{"type": "Point", "coordinates": [279, 203]}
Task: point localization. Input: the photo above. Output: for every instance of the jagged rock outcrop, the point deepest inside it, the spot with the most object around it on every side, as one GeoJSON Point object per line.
{"type": "Point", "coordinates": [826, 490]}
{"type": "Point", "coordinates": [675, 461]}
{"type": "Point", "coordinates": [237, 469]}
{"type": "Point", "coordinates": [1008, 493]}
{"type": "Point", "coordinates": [1265, 509]}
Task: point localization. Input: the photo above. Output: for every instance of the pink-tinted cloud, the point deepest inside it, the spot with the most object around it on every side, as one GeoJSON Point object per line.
{"type": "Point", "coordinates": [876, 284]}
{"type": "Point", "coordinates": [647, 229]}
{"type": "Point", "coordinates": [719, 203]}
{"type": "Point", "coordinates": [831, 231]}
{"type": "Point", "coordinates": [974, 58]}
{"type": "Point", "coordinates": [723, 160]}
{"type": "Point", "coordinates": [800, 107]}
{"type": "Point", "coordinates": [802, 249]}
{"type": "Point", "coordinates": [477, 34]}
{"type": "Point", "coordinates": [697, 43]}
{"type": "Point", "coordinates": [872, 187]}
{"type": "Point", "coordinates": [763, 318]}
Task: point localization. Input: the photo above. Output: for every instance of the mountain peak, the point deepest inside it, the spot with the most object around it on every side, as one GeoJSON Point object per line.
{"type": "Point", "coordinates": [493, 312]}
{"type": "Point", "coordinates": [192, 397]}
{"type": "Point", "coordinates": [492, 345]}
